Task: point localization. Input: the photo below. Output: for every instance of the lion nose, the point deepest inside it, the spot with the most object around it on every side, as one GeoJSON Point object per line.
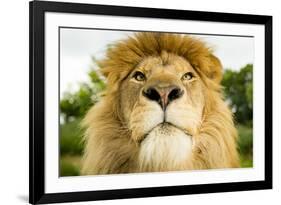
{"type": "Point", "coordinates": [163, 96]}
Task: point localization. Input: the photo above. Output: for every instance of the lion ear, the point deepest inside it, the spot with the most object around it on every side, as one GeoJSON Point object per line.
{"type": "Point", "coordinates": [215, 69]}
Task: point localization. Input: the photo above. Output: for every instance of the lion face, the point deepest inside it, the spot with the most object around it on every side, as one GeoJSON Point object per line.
{"type": "Point", "coordinates": [162, 100]}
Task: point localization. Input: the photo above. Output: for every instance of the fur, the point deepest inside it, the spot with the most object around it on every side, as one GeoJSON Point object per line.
{"type": "Point", "coordinates": [124, 133]}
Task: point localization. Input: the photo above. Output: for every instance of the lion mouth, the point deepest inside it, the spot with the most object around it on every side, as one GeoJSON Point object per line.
{"type": "Point", "coordinates": [165, 128]}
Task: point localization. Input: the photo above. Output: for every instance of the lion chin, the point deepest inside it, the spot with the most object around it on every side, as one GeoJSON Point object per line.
{"type": "Point", "coordinates": [165, 148]}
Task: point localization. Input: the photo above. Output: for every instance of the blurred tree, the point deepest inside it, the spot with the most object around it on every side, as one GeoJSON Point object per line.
{"type": "Point", "coordinates": [238, 90]}
{"type": "Point", "coordinates": [75, 105]}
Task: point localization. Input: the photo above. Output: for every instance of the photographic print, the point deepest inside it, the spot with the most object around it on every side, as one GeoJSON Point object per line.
{"type": "Point", "coordinates": [130, 102]}
{"type": "Point", "coordinates": [154, 102]}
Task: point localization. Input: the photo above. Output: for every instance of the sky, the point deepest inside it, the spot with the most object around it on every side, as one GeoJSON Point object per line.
{"type": "Point", "coordinates": [77, 46]}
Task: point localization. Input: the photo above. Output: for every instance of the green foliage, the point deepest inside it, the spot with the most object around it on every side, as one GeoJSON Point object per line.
{"type": "Point", "coordinates": [71, 138]}
{"type": "Point", "coordinates": [245, 141]}
{"type": "Point", "coordinates": [97, 80]}
{"type": "Point", "coordinates": [246, 161]}
{"type": "Point", "coordinates": [238, 89]}
{"type": "Point", "coordinates": [245, 145]}
{"type": "Point", "coordinates": [68, 168]}
{"type": "Point", "coordinates": [75, 105]}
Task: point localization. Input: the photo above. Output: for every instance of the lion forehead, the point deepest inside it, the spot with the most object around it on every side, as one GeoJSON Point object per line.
{"type": "Point", "coordinates": [170, 63]}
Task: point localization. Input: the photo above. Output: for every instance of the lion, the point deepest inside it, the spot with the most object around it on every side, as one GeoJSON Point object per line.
{"type": "Point", "coordinates": [163, 109]}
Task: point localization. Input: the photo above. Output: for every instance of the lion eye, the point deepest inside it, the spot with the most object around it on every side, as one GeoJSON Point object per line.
{"type": "Point", "coordinates": [139, 76]}
{"type": "Point", "coordinates": [187, 76]}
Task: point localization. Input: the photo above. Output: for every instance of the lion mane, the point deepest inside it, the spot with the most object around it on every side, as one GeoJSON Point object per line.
{"type": "Point", "coordinates": [109, 146]}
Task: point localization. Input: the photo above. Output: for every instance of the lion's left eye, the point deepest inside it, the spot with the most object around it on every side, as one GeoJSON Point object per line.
{"type": "Point", "coordinates": [187, 76]}
{"type": "Point", "coordinates": [139, 76]}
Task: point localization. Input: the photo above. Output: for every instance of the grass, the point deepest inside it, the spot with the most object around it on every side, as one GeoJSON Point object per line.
{"type": "Point", "coordinates": [246, 161]}
{"type": "Point", "coordinates": [70, 165]}
{"type": "Point", "coordinates": [71, 147]}
{"type": "Point", "coordinates": [245, 145]}
{"type": "Point", "coordinates": [71, 138]}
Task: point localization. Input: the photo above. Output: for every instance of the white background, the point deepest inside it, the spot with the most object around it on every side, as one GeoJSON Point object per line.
{"type": "Point", "coordinates": [14, 101]}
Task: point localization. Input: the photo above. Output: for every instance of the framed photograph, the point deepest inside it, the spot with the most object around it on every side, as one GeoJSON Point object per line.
{"type": "Point", "coordinates": [130, 102]}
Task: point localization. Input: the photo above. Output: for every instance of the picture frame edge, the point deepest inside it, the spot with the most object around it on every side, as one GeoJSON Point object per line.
{"type": "Point", "coordinates": [37, 193]}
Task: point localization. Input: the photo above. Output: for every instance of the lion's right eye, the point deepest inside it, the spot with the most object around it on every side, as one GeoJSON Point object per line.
{"type": "Point", "coordinates": [139, 76]}
{"type": "Point", "coordinates": [187, 76]}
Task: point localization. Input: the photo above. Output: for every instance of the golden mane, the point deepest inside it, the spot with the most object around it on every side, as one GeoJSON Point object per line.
{"type": "Point", "coordinates": [109, 147]}
{"type": "Point", "coordinates": [123, 56]}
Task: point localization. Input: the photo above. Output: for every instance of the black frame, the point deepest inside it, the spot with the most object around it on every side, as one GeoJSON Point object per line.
{"type": "Point", "coordinates": [37, 10]}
